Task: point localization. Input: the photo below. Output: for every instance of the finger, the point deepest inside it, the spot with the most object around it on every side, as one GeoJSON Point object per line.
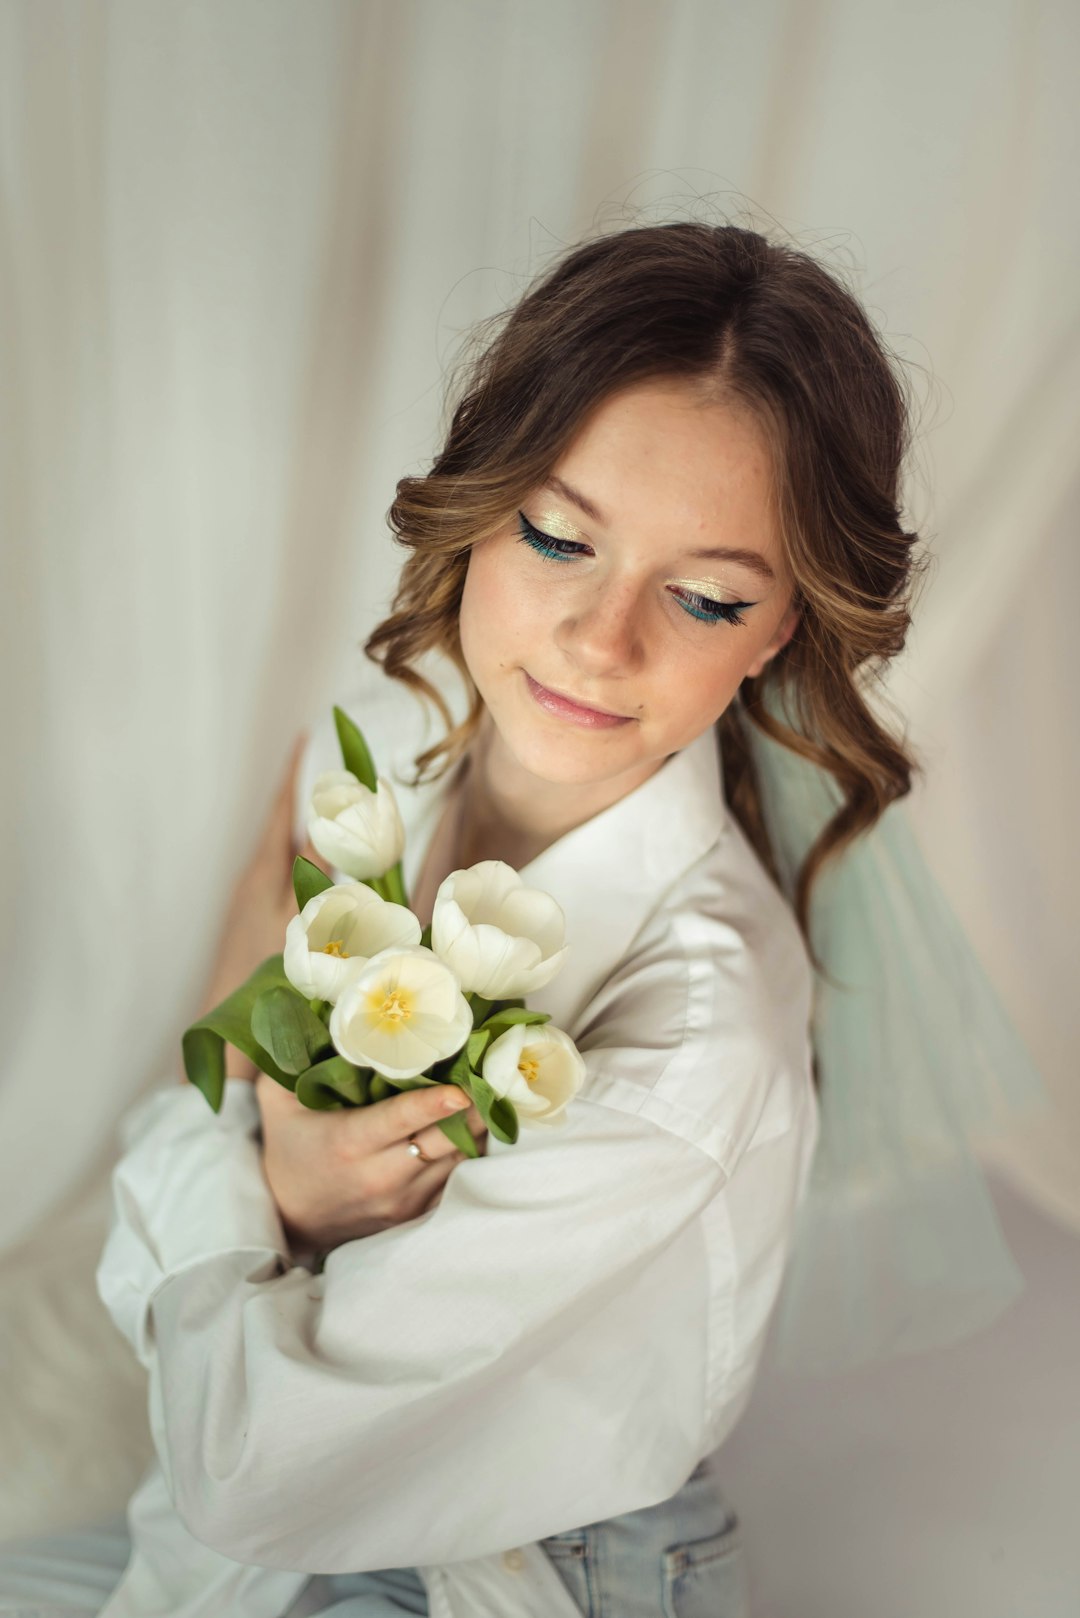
{"type": "Point", "coordinates": [428, 1182]}
{"type": "Point", "coordinates": [395, 1118]}
{"type": "Point", "coordinates": [435, 1144]}
{"type": "Point", "coordinates": [279, 1098]}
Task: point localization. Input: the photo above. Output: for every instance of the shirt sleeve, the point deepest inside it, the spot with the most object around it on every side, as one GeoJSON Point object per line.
{"type": "Point", "coordinates": [528, 1356]}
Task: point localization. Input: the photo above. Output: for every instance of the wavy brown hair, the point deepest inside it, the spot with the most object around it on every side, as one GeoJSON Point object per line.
{"type": "Point", "coordinates": [747, 321]}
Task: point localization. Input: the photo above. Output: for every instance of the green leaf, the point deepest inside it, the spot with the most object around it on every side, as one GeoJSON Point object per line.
{"type": "Point", "coordinates": [308, 880]}
{"type": "Point", "coordinates": [509, 1015]}
{"type": "Point", "coordinates": [395, 885]}
{"type": "Point", "coordinates": [481, 1008]}
{"type": "Point", "coordinates": [380, 1088]}
{"type": "Point", "coordinates": [285, 1025]}
{"type": "Point", "coordinates": [333, 1083]}
{"type": "Point", "coordinates": [204, 1061]}
{"type": "Point", "coordinates": [503, 1120]}
{"type": "Point", "coordinates": [425, 936]}
{"type": "Point", "coordinates": [457, 1131]}
{"type": "Point", "coordinates": [512, 1016]}
{"type": "Point", "coordinates": [476, 1044]}
{"type": "Point", "coordinates": [499, 1114]}
{"type": "Point", "coordinates": [354, 750]}
{"type": "Point", "coordinates": [458, 1071]}
{"type": "Point", "coordinates": [319, 1097]}
{"type": "Point", "coordinates": [229, 1023]}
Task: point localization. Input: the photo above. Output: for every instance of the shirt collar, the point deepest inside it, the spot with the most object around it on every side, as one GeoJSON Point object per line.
{"type": "Point", "coordinates": [610, 873]}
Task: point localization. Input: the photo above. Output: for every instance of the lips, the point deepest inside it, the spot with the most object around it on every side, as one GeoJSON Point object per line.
{"type": "Point", "coordinates": [587, 707]}
{"type": "Point", "coordinates": [571, 710]}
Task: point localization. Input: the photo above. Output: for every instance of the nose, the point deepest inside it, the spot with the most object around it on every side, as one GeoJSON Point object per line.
{"type": "Point", "coordinates": [601, 632]}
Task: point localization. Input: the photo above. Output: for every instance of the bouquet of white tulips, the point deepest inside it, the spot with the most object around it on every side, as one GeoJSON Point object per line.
{"type": "Point", "coordinates": [362, 1001]}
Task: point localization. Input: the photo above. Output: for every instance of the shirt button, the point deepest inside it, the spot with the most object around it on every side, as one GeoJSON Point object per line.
{"type": "Point", "coordinates": [513, 1561]}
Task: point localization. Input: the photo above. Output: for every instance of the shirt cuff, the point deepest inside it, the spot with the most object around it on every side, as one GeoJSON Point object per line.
{"type": "Point", "coordinates": [190, 1185]}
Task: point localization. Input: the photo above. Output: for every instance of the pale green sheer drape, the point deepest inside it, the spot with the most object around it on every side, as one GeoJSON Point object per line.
{"type": "Point", "coordinates": [898, 1248]}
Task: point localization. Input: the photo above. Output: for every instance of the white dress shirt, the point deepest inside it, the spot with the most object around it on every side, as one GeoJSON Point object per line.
{"type": "Point", "coordinates": [573, 1326]}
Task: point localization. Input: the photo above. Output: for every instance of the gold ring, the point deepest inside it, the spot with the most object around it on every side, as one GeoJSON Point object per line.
{"type": "Point", "coordinates": [417, 1150]}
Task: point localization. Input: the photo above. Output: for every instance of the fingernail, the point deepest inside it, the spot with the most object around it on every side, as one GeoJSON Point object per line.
{"type": "Point", "coordinates": [454, 1101]}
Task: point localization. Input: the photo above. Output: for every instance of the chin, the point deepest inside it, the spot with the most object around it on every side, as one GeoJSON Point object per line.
{"type": "Point", "coordinates": [578, 758]}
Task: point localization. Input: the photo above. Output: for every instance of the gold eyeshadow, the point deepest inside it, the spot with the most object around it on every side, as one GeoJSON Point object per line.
{"type": "Point", "coordinates": [701, 587]}
{"type": "Point", "coordinates": [556, 526]}
{"type": "Point", "coordinates": [553, 523]}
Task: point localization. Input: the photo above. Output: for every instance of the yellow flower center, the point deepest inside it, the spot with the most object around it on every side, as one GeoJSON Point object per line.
{"type": "Point", "coordinates": [529, 1068]}
{"type": "Point", "coordinates": [389, 1009]}
{"type": "Point", "coordinates": [336, 947]}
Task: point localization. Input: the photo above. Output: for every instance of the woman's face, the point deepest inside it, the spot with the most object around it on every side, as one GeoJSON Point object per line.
{"type": "Point", "coordinates": [651, 608]}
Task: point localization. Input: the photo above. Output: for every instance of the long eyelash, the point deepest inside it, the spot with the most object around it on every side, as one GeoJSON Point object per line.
{"type": "Point", "coordinates": [713, 612]}
{"type": "Point", "coordinates": [700, 607]}
{"type": "Point", "coordinates": [544, 544]}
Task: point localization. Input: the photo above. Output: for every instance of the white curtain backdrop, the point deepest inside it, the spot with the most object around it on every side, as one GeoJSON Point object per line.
{"type": "Point", "coordinates": [238, 245]}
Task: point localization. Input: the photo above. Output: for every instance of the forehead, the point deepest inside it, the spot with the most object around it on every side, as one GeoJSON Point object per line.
{"type": "Point", "coordinates": [656, 457]}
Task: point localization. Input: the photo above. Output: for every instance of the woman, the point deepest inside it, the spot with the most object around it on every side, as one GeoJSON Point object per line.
{"type": "Point", "coordinates": [668, 495]}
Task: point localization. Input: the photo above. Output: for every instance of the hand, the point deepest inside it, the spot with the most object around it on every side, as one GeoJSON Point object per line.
{"type": "Point", "coordinates": [342, 1174]}
{"type": "Point", "coordinates": [262, 905]}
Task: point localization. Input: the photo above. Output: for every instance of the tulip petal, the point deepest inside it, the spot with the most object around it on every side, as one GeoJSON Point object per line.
{"type": "Point", "coordinates": [538, 915]}
{"type": "Point", "coordinates": [448, 920]}
{"type": "Point", "coordinates": [501, 938]}
{"type": "Point", "coordinates": [558, 1071]}
{"type": "Point", "coordinates": [359, 831]}
{"type": "Point", "coordinates": [431, 1020]}
{"type": "Point", "coordinates": [337, 931]}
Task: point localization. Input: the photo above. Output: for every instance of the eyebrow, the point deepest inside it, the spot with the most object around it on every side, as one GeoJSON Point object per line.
{"type": "Point", "coordinates": [749, 559]}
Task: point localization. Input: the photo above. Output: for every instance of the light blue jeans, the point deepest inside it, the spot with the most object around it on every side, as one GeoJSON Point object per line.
{"type": "Point", "coordinates": [679, 1559]}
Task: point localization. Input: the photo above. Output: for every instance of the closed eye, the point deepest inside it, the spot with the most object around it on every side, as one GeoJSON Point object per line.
{"type": "Point", "coordinates": [703, 608]}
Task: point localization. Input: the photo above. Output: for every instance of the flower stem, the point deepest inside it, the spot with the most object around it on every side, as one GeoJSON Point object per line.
{"type": "Point", "coordinates": [395, 885]}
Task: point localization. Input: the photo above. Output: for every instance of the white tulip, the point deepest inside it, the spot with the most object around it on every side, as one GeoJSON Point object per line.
{"type": "Point", "coordinates": [501, 938]}
{"type": "Point", "coordinates": [402, 1011]}
{"type": "Point", "coordinates": [357, 830]}
{"type": "Point", "coordinates": [538, 1068]}
{"type": "Point", "coordinates": [337, 932]}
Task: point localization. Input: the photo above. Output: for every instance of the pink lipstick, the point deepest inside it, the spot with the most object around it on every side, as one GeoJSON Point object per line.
{"type": "Point", "coordinates": [575, 712]}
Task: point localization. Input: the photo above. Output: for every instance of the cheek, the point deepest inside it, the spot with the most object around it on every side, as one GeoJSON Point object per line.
{"type": "Point", "coordinates": [496, 607]}
{"type": "Point", "coordinates": [480, 617]}
{"type": "Point", "coordinates": [479, 598]}
{"type": "Point", "coordinates": [699, 687]}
